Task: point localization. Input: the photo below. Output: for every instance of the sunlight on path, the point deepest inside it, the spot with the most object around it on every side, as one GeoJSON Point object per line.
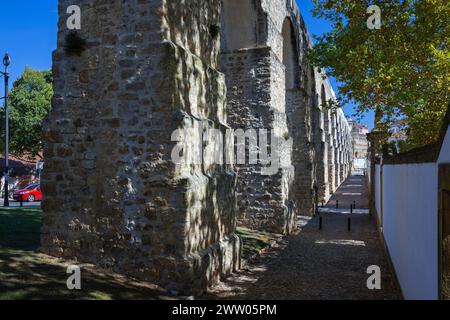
{"type": "Point", "coordinates": [319, 264]}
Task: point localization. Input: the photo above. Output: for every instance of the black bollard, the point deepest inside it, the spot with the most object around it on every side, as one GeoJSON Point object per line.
{"type": "Point", "coordinates": [320, 223]}
{"type": "Point", "coordinates": [351, 209]}
{"type": "Point", "coordinates": [21, 202]}
{"type": "Point", "coordinates": [349, 224]}
{"type": "Point", "coordinates": [337, 204]}
{"type": "Point", "coordinates": [323, 204]}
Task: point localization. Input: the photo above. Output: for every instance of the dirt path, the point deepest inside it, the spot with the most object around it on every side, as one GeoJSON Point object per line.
{"type": "Point", "coordinates": [313, 264]}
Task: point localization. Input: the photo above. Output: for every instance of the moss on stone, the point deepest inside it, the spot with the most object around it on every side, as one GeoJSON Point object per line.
{"type": "Point", "coordinates": [214, 31]}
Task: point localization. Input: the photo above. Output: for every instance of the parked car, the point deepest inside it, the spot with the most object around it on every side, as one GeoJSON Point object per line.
{"type": "Point", "coordinates": [30, 193]}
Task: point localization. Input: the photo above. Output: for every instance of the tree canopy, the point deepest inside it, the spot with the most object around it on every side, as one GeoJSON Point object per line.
{"type": "Point", "coordinates": [401, 70]}
{"type": "Point", "coordinates": [29, 103]}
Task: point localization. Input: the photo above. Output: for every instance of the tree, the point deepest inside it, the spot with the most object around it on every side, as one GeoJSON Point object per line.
{"type": "Point", "coordinates": [30, 103]}
{"type": "Point", "coordinates": [401, 70]}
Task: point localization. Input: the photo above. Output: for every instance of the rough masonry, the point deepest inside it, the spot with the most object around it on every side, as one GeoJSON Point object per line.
{"type": "Point", "coordinates": [154, 76]}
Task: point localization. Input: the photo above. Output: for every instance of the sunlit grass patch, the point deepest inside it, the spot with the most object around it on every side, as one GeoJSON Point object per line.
{"type": "Point", "coordinates": [254, 241]}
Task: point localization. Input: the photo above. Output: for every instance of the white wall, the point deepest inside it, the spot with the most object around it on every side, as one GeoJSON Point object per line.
{"type": "Point", "coordinates": [444, 156]}
{"type": "Point", "coordinates": [411, 226]}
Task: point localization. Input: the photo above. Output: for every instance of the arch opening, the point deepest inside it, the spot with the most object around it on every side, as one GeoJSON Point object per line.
{"type": "Point", "coordinates": [290, 56]}
{"type": "Point", "coordinates": [298, 96]}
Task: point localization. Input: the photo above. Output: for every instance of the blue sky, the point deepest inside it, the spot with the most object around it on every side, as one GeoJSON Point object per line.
{"type": "Point", "coordinates": [28, 31]}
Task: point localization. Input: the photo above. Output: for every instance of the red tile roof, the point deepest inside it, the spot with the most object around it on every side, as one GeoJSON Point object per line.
{"type": "Point", "coordinates": [15, 162]}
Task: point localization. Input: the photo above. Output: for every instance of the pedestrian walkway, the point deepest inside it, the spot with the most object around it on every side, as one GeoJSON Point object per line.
{"type": "Point", "coordinates": [352, 191]}
{"type": "Point", "coordinates": [326, 264]}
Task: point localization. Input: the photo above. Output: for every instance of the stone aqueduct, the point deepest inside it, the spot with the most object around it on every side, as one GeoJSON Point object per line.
{"type": "Point", "coordinates": [113, 196]}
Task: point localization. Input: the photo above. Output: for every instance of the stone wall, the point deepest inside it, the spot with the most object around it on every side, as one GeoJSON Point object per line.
{"type": "Point", "coordinates": [112, 194]}
{"type": "Point", "coordinates": [252, 105]}
{"type": "Point", "coordinates": [154, 77]}
{"type": "Point", "coordinates": [257, 101]}
{"type": "Point", "coordinates": [271, 86]}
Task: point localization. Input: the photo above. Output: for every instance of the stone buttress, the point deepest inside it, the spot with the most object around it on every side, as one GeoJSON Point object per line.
{"type": "Point", "coordinates": [112, 194]}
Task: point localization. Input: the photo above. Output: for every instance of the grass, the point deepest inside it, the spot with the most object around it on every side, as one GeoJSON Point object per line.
{"type": "Point", "coordinates": [28, 275]}
{"type": "Point", "coordinates": [20, 228]}
{"type": "Point", "coordinates": [254, 241]}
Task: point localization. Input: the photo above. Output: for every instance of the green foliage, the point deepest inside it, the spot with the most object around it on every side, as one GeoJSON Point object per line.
{"type": "Point", "coordinates": [29, 104]}
{"type": "Point", "coordinates": [401, 70]}
{"type": "Point", "coordinates": [214, 31]}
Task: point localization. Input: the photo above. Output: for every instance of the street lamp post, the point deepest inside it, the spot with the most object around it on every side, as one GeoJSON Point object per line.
{"type": "Point", "coordinates": [6, 62]}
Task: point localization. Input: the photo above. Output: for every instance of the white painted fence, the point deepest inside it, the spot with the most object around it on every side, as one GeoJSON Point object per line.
{"type": "Point", "coordinates": [410, 226]}
{"type": "Point", "coordinates": [378, 193]}
{"type": "Point", "coordinates": [406, 201]}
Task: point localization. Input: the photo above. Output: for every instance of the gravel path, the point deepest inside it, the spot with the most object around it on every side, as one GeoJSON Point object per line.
{"type": "Point", "coordinates": [313, 264]}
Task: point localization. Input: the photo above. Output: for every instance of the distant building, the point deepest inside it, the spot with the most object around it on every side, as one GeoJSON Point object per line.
{"type": "Point", "coordinates": [360, 145]}
{"type": "Point", "coordinates": [398, 132]}
{"type": "Point", "coordinates": [359, 137]}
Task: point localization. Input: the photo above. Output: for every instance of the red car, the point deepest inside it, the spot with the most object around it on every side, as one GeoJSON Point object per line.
{"type": "Point", "coordinates": [30, 193]}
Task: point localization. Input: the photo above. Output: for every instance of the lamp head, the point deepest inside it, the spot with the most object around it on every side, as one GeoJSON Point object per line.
{"type": "Point", "coordinates": [6, 60]}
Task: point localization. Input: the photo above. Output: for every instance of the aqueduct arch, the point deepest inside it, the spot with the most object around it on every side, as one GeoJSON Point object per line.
{"type": "Point", "coordinates": [254, 77]}
{"type": "Point", "coordinates": [299, 99]}
{"type": "Point", "coordinates": [148, 83]}
{"type": "Point", "coordinates": [322, 146]}
{"type": "Point", "coordinates": [290, 56]}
